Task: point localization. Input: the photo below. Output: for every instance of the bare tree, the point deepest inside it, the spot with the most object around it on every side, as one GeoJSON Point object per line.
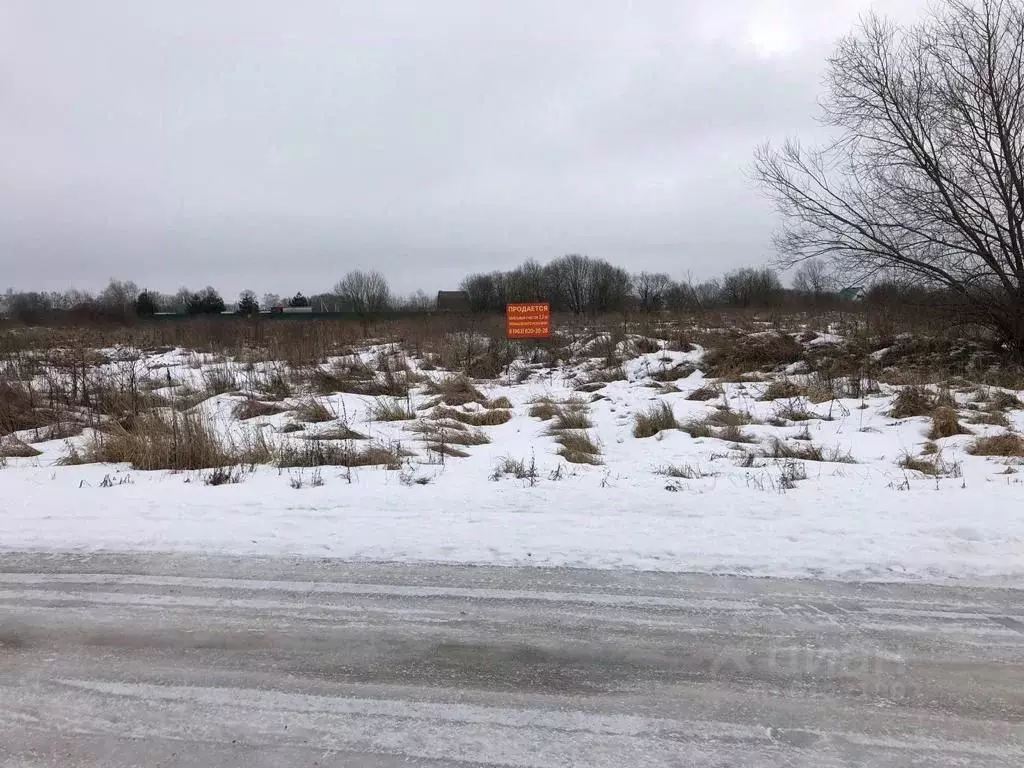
{"type": "Point", "coordinates": [364, 292]}
{"type": "Point", "coordinates": [926, 178]}
{"type": "Point", "coordinates": [813, 278]}
{"type": "Point", "coordinates": [651, 289]}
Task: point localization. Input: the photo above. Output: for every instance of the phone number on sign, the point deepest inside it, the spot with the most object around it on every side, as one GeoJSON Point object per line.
{"type": "Point", "coordinates": [529, 330]}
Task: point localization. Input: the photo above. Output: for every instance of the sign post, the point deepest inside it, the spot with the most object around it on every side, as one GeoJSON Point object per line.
{"type": "Point", "coordinates": [528, 321]}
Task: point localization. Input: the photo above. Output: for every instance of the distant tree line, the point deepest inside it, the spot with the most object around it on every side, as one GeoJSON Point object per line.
{"type": "Point", "coordinates": [574, 284]}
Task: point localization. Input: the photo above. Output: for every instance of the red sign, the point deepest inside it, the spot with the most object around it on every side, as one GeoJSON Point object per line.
{"type": "Point", "coordinates": [528, 321]}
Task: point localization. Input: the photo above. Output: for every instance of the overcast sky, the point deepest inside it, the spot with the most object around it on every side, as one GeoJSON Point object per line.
{"type": "Point", "coordinates": [275, 146]}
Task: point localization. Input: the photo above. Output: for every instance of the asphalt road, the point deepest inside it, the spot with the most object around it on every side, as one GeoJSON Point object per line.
{"type": "Point", "coordinates": [114, 661]}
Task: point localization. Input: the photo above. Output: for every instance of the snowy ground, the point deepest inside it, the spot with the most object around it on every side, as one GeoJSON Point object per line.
{"type": "Point", "coordinates": [732, 511]}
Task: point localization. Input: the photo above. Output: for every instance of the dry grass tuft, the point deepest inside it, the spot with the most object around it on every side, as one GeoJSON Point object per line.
{"type": "Point", "coordinates": [473, 418]}
{"type": "Point", "coordinates": [992, 419]}
{"type": "Point", "coordinates": [312, 411]}
{"type": "Point", "coordinates": [683, 471]}
{"type": "Point", "coordinates": [500, 402]}
{"type": "Point", "coordinates": [341, 432]}
{"type": "Point", "coordinates": [919, 401]}
{"type": "Point", "coordinates": [726, 417]}
{"type": "Point", "coordinates": [779, 389]}
{"type": "Point", "coordinates": [805, 451]}
{"type": "Point", "coordinates": [570, 418]}
{"type": "Point", "coordinates": [392, 409]}
{"type": "Point", "coordinates": [999, 445]}
{"type": "Point", "coordinates": [706, 392]}
{"type": "Point", "coordinates": [250, 408]}
{"type": "Point", "coordinates": [698, 428]}
{"type": "Point", "coordinates": [453, 391]}
{"type": "Point", "coordinates": [945, 424]}
{"type": "Point", "coordinates": [577, 447]}
{"type": "Point", "coordinates": [652, 421]}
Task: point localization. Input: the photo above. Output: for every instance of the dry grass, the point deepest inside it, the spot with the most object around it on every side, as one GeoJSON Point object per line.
{"type": "Point", "coordinates": [577, 447]}
{"type": "Point", "coordinates": [392, 409]}
{"type": "Point", "coordinates": [655, 419]}
{"type": "Point", "coordinates": [219, 381]}
{"type": "Point", "coordinates": [733, 434]}
{"type": "Point", "coordinates": [683, 471]}
{"type": "Point", "coordinates": [341, 432]}
{"type": "Point", "coordinates": [13, 448]}
{"type": "Point", "coordinates": [312, 411]}
{"type": "Point", "coordinates": [570, 418]}
{"type": "Point", "coordinates": [171, 440]}
{"type": "Point", "coordinates": [706, 392]}
{"type": "Point", "coordinates": [448, 432]}
{"type": "Point", "coordinates": [250, 408]}
{"type": "Point", "coordinates": [945, 424]}
{"type": "Point", "coordinates": [473, 418]}
{"type": "Point", "coordinates": [453, 391]}
{"type": "Point", "coordinates": [726, 417]}
{"type": "Point", "coordinates": [999, 445]}
{"type": "Point", "coordinates": [932, 466]}
{"type": "Point", "coordinates": [746, 353]}
{"type": "Point", "coordinates": [344, 454]}
{"type": "Point", "coordinates": [992, 419]}
{"type": "Point", "coordinates": [500, 402]}
{"type": "Point", "coordinates": [805, 451]}
{"type": "Point", "coordinates": [780, 389]}
{"type": "Point", "coordinates": [919, 401]}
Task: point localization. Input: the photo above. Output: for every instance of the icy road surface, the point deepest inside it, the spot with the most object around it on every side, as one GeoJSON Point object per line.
{"type": "Point", "coordinates": [146, 660]}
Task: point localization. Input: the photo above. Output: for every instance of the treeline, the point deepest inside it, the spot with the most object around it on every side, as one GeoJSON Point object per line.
{"type": "Point", "coordinates": [572, 284]}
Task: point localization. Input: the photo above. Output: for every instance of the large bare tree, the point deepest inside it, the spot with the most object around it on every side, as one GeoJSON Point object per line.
{"type": "Point", "coordinates": [925, 178]}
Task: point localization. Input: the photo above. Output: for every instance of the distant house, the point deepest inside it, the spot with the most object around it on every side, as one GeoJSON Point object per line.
{"type": "Point", "coordinates": [452, 301]}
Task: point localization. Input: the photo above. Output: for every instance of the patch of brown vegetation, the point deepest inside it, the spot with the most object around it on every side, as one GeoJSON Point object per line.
{"type": "Point", "coordinates": [945, 423]}
{"type": "Point", "coordinates": [577, 447]}
{"type": "Point", "coordinates": [1007, 444]}
{"type": "Point", "coordinates": [706, 392]}
{"type": "Point", "coordinates": [746, 353]}
{"type": "Point", "coordinates": [13, 448]}
{"type": "Point", "coordinates": [250, 408]}
{"type": "Point", "coordinates": [490, 418]}
{"type": "Point", "coordinates": [655, 419]}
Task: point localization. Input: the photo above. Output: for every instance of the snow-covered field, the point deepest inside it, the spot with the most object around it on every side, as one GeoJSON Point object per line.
{"type": "Point", "coordinates": [670, 501]}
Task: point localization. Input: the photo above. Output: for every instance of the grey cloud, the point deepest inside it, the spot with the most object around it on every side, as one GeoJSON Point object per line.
{"type": "Point", "coordinates": [275, 146]}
